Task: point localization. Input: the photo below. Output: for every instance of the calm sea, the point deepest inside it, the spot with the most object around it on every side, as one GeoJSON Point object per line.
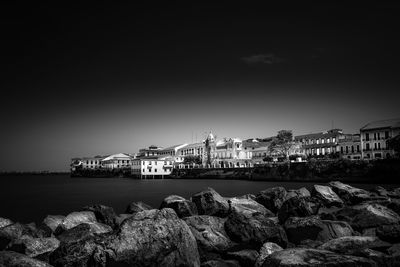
{"type": "Point", "coordinates": [28, 198]}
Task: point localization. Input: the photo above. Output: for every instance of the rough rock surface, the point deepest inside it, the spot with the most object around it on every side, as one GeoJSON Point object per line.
{"type": "Point", "coordinates": [350, 244]}
{"type": "Point", "coordinates": [209, 232]}
{"type": "Point", "coordinates": [313, 257]}
{"type": "Point", "coordinates": [14, 259]}
{"type": "Point", "coordinates": [254, 229]}
{"type": "Point", "coordinates": [137, 207]}
{"type": "Point", "coordinates": [389, 233]}
{"type": "Point", "coordinates": [75, 218]}
{"type": "Point", "coordinates": [16, 230]}
{"type": "Point", "coordinates": [209, 202]}
{"type": "Point", "coordinates": [220, 263]}
{"type": "Point", "coordinates": [246, 257]}
{"type": "Point", "coordinates": [5, 222]}
{"type": "Point", "coordinates": [327, 196]}
{"type": "Point", "coordinates": [272, 198]}
{"type": "Point", "coordinates": [299, 229]}
{"type": "Point", "coordinates": [367, 215]}
{"type": "Point", "coordinates": [104, 214]}
{"type": "Point", "coordinates": [242, 204]}
{"type": "Point", "coordinates": [180, 205]}
{"type": "Point", "coordinates": [53, 221]}
{"type": "Point", "coordinates": [348, 193]}
{"type": "Point", "coordinates": [301, 192]}
{"type": "Point", "coordinates": [295, 207]}
{"type": "Point", "coordinates": [34, 247]}
{"type": "Point", "coordinates": [153, 238]}
{"type": "Point", "coordinates": [266, 250]}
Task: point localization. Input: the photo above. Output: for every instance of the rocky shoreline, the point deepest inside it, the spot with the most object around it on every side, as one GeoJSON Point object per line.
{"type": "Point", "coordinates": [333, 225]}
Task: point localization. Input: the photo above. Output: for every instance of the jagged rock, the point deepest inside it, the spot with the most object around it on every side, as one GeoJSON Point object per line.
{"type": "Point", "coordinates": [121, 217]}
{"type": "Point", "coordinates": [301, 192]}
{"type": "Point", "coordinates": [14, 231]}
{"type": "Point", "coordinates": [220, 263]}
{"type": "Point", "coordinates": [272, 198]}
{"type": "Point", "coordinates": [209, 232]}
{"type": "Point", "coordinates": [242, 204]}
{"type": "Point", "coordinates": [299, 229]}
{"type": "Point", "coordinates": [209, 202]}
{"type": "Point", "coordinates": [246, 257]}
{"type": "Point", "coordinates": [394, 250]}
{"type": "Point", "coordinates": [5, 222]}
{"type": "Point", "coordinates": [153, 238]}
{"type": "Point", "coordinates": [266, 250]}
{"type": "Point", "coordinates": [351, 244]}
{"type": "Point", "coordinates": [295, 207]}
{"type": "Point", "coordinates": [135, 207]}
{"type": "Point", "coordinates": [180, 205]}
{"type": "Point", "coordinates": [254, 229]}
{"type": "Point", "coordinates": [389, 233]}
{"type": "Point", "coordinates": [53, 221]}
{"type": "Point", "coordinates": [75, 218]}
{"type": "Point", "coordinates": [367, 215]}
{"type": "Point", "coordinates": [393, 204]}
{"type": "Point", "coordinates": [308, 243]}
{"type": "Point", "coordinates": [295, 257]}
{"type": "Point", "coordinates": [380, 258]}
{"type": "Point", "coordinates": [351, 195]}
{"type": "Point", "coordinates": [14, 259]}
{"type": "Point", "coordinates": [247, 196]}
{"type": "Point", "coordinates": [34, 247]}
{"type": "Point", "coordinates": [328, 213]}
{"type": "Point", "coordinates": [380, 191]}
{"type": "Point", "coordinates": [104, 214]}
{"type": "Point", "coordinates": [327, 196]}
{"type": "Point", "coordinates": [75, 234]}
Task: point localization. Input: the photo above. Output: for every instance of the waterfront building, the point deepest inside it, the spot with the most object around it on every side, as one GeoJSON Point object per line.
{"type": "Point", "coordinates": [349, 146]}
{"type": "Point", "coordinates": [194, 149]}
{"type": "Point", "coordinates": [152, 151]}
{"type": "Point", "coordinates": [87, 163]}
{"type": "Point", "coordinates": [152, 167]}
{"type": "Point", "coordinates": [117, 161]}
{"type": "Point", "coordinates": [322, 143]}
{"type": "Point", "coordinates": [375, 136]}
{"type": "Point", "coordinates": [174, 152]}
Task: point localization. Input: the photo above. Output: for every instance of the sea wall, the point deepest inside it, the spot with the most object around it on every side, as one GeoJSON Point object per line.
{"type": "Point", "coordinates": [332, 225]}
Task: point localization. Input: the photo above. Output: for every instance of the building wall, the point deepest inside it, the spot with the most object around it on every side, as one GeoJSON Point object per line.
{"type": "Point", "coordinates": [349, 147]}
{"type": "Point", "coordinates": [320, 143]}
{"type": "Point", "coordinates": [374, 142]}
{"type": "Point", "coordinates": [151, 167]}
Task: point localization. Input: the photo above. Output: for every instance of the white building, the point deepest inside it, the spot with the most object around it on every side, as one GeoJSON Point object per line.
{"type": "Point", "coordinates": [152, 167]}
{"type": "Point", "coordinates": [375, 136]}
{"type": "Point", "coordinates": [117, 161]}
{"type": "Point", "coordinates": [174, 151]}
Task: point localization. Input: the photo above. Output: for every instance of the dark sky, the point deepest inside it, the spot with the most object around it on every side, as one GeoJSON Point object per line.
{"type": "Point", "coordinates": [80, 80]}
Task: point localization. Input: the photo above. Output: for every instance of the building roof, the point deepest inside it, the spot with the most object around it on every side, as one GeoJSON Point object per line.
{"type": "Point", "coordinates": [174, 147]}
{"type": "Point", "coordinates": [391, 123]}
{"type": "Point", "coordinates": [329, 133]}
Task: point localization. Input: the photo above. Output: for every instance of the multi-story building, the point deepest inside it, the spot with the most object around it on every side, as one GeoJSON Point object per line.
{"type": "Point", "coordinates": [117, 161]}
{"type": "Point", "coordinates": [322, 143]}
{"type": "Point", "coordinates": [173, 151]}
{"type": "Point", "coordinates": [152, 151]}
{"type": "Point", "coordinates": [152, 167]}
{"type": "Point", "coordinates": [195, 149]}
{"type": "Point", "coordinates": [349, 146]}
{"type": "Point", "coordinates": [87, 163]}
{"type": "Point", "coordinates": [375, 136]}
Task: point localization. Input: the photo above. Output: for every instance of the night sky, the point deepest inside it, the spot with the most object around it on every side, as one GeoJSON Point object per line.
{"type": "Point", "coordinates": [81, 80]}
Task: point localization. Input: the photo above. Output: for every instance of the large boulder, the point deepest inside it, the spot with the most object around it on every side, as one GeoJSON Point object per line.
{"type": "Point", "coordinates": [247, 204]}
{"type": "Point", "coordinates": [209, 232]}
{"type": "Point", "coordinates": [122, 217]}
{"type": "Point", "coordinates": [272, 198]}
{"type": "Point", "coordinates": [14, 231]}
{"type": "Point", "coordinates": [53, 221]}
{"type": "Point", "coordinates": [299, 229]}
{"type": "Point", "coordinates": [209, 202]}
{"type": "Point", "coordinates": [389, 233]}
{"type": "Point", "coordinates": [104, 214]}
{"type": "Point", "coordinates": [367, 215]}
{"type": "Point", "coordinates": [34, 247]}
{"type": "Point", "coordinates": [351, 195]}
{"type": "Point", "coordinates": [254, 229]}
{"type": "Point", "coordinates": [301, 192]}
{"type": "Point", "coordinates": [246, 257]}
{"type": "Point", "coordinates": [351, 244]}
{"type": "Point", "coordinates": [153, 238]}
{"type": "Point", "coordinates": [14, 259]}
{"type": "Point", "coordinates": [295, 207]}
{"type": "Point", "coordinates": [327, 196]}
{"type": "Point", "coordinates": [135, 207]}
{"type": "Point", "coordinates": [296, 257]}
{"type": "Point", "coordinates": [266, 250]}
{"type": "Point", "coordinates": [180, 205]}
{"type": "Point", "coordinates": [75, 218]}
{"type": "Point", "coordinates": [5, 222]}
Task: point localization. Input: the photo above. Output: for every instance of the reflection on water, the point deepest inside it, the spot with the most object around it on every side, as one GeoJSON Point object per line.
{"type": "Point", "coordinates": [31, 197]}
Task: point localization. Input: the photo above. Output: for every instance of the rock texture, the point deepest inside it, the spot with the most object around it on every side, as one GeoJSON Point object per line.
{"type": "Point", "coordinates": [75, 218]}
{"type": "Point", "coordinates": [14, 259]}
{"type": "Point", "coordinates": [209, 202]}
{"type": "Point", "coordinates": [104, 214]}
{"type": "Point", "coordinates": [272, 198]}
{"type": "Point", "coordinates": [249, 205]}
{"type": "Point", "coordinates": [5, 222]}
{"type": "Point", "coordinates": [351, 195]}
{"type": "Point", "coordinates": [137, 207]}
{"type": "Point", "coordinates": [266, 250]}
{"type": "Point", "coordinates": [53, 221]}
{"type": "Point", "coordinates": [180, 205]}
{"type": "Point", "coordinates": [295, 207]}
{"type": "Point", "coordinates": [350, 244]}
{"type": "Point", "coordinates": [327, 196]}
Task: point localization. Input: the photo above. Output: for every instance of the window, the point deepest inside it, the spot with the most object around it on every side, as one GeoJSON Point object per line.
{"type": "Point", "coordinates": [386, 134]}
{"type": "Point", "coordinates": [367, 146]}
{"type": "Point", "coordinates": [379, 136]}
{"type": "Point", "coordinates": [375, 145]}
{"type": "Point", "coordinates": [317, 141]}
{"type": "Point", "coordinates": [143, 170]}
{"type": "Point", "coordinates": [379, 145]}
{"type": "Point", "coordinates": [149, 169]}
{"type": "Point", "coordinates": [352, 149]}
{"type": "Point", "coordinates": [333, 139]}
{"type": "Point", "coordinates": [358, 148]}
{"type": "Point", "coordinates": [341, 149]}
{"type": "Point", "coordinates": [367, 137]}
{"type": "Point", "coordinates": [323, 141]}
{"type": "Point", "coordinates": [155, 170]}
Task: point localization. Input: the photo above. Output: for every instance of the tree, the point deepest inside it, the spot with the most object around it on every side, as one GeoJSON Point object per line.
{"type": "Point", "coordinates": [282, 144]}
{"type": "Point", "coordinates": [190, 159]}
